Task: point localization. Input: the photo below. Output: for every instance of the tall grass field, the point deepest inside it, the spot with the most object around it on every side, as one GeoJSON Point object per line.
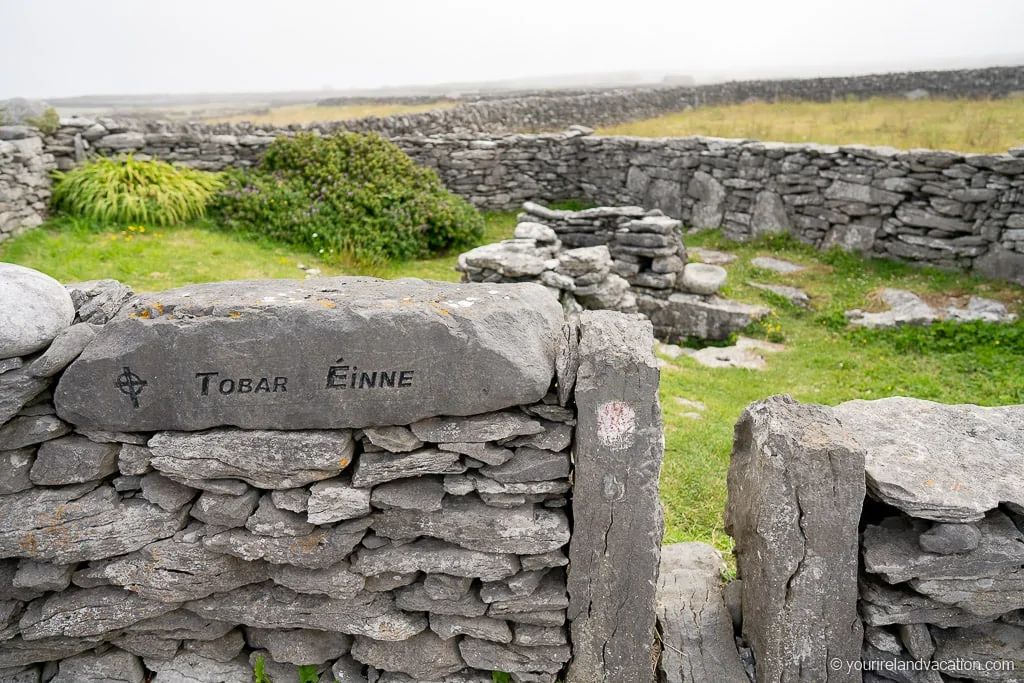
{"type": "Point", "coordinates": [961, 125]}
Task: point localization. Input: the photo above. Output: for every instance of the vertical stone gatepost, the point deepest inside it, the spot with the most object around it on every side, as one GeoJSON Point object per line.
{"type": "Point", "coordinates": [618, 526]}
{"type": "Point", "coordinates": [796, 489]}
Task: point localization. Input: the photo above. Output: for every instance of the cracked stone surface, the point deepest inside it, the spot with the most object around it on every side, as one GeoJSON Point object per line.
{"type": "Point", "coordinates": [616, 541]}
{"type": "Point", "coordinates": [947, 463]}
{"type": "Point", "coordinates": [85, 612]}
{"type": "Point", "coordinates": [695, 623]}
{"type": "Point", "coordinates": [323, 547]}
{"type": "Point", "coordinates": [179, 569]}
{"type": "Point", "coordinates": [476, 526]}
{"type": "Point", "coordinates": [424, 656]}
{"type": "Point", "coordinates": [376, 468]}
{"type": "Point", "coordinates": [268, 606]}
{"type": "Point", "coordinates": [795, 493]}
{"type": "Point", "coordinates": [79, 522]}
{"type": "Point", "coordinates": [262, 458]}
{"type": "Point", "coordinates": [477, 428]}
{"type": "Point", "coordinates": [435, 557]}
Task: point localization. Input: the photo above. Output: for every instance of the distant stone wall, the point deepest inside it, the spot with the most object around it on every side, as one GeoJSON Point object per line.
{"type": "Point", "coordinates": [947, 209]}
{"type": "Point", "coordinates": [383, 479]}
{"type": "Point", "coordinates": [24, 179]}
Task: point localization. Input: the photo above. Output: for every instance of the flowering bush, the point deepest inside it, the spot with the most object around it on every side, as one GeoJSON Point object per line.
{"type": "Point", "coordinates": [347, 194]}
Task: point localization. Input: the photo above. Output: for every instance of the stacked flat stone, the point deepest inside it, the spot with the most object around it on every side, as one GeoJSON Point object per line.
{"type": "Point", "coordinates": [923, 574]}
{"type": "Point", "coordinates": [621, 258]}
{"type": "Point", "coordinates": [595, 272]}
{"type": "Point", "coordinates": [433, 550]}
{"type": "Point", "coordinates": [943, 549]}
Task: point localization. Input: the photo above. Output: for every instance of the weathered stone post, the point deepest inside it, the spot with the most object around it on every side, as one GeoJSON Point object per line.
{"type": "Point", "coordinates": [618, 526]}
{"type": "Point", "coordinates": [796, 489]}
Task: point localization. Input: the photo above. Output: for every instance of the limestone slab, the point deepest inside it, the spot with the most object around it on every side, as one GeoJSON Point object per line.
{"type": "Point", "coordinates": [796, 489]}
{"type": "Point", "coordinates": [268, 606]}
{"type": "Point", "coordinates": [77, 523]}
{"type": "Point", "coordinates": [948, 463]}
{"type": "Point", "coordinates": [436, 557]}
{"type": "Point", "coordinates": [471, 524]}
{"type": "Point", "coordinates": [266, 459]}
{"type": "Point", "coordinates": [617, 517]}
{"type": "Point", "coordinates": [82, 612]}
{"type": "Point", "coordinates": [179, 569]}
{"type": "Point", "coordinates": [360, 360]}
{"type": "Point", "coordinates": [696, 628]}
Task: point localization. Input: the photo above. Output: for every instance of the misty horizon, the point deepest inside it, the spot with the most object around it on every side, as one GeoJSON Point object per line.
{"type": "Point", "coordinates": [269, 46]}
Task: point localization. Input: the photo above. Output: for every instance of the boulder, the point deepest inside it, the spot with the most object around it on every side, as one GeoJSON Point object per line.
{"type": "Point", "coordinates": [702, 278]}
{"type": "Point", "coordinates": [691, 315]}
{"type": "Point", "coordinates": [34, 309]}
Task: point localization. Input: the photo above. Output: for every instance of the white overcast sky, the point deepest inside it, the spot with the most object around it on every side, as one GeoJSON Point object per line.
{"type": "Point", "coordinates": [74, 47]}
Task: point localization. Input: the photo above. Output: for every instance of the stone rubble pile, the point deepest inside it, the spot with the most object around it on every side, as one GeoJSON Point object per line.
{"type": "Point", "coordinates": [430, 551]}
{"type": "Point", "coordinates": [618, 258]}
{"type": "Point", "coordinates": [907, 308]}
{"type": "Point", "coordinates": [943, 544]}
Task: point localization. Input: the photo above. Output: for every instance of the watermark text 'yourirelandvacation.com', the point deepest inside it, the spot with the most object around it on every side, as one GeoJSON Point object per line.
{"type": "Point", "coordinates": [957, 665]}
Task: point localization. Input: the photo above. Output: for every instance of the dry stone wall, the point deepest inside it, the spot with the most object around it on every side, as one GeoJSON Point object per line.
{"type": "Point", "coordinates": [940, 208]}
{"type": "Point", "coordinates": [919, 580]}
{"type": "Point", "coordinates": [373, 477]}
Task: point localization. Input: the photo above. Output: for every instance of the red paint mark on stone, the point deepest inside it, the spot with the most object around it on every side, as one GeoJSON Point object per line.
{"type": "Point", "coordinates": [616, 425]}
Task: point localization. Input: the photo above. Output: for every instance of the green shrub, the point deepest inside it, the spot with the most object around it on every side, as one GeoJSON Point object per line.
{"type": "Point", "coordinates": [126, 190]}
{"type": "Point", "coordinates": [48, 123]}
{"type": "Point", "coordinates": [347, 195]}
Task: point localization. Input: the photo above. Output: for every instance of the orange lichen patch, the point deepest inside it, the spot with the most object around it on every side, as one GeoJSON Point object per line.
{"type": "Point", "coordinates": [235, 314]}
{"type": "Point", "coordinates": [144, 314]}
{"type": "Point", "coordinates": [930, 482]}
{"type": "Point", "coordinates": [327, 304]}
{"type": "Point", "coordinates": [344, 462]}
{"type": "Point", "coordinates": [159, 307]}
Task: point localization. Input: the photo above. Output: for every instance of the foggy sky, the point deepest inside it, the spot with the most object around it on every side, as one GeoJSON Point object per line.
{"type": "Point", "coordinates": [70, 47]}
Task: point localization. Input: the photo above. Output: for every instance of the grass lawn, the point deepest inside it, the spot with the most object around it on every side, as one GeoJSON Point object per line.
{"type": "Point", "coordinates": [154, 259]}
{"type": "Point", "coordinates": [962, 125]}
{"type": "Point", "coordinates": [310, 113]}
{"type": "Point", "coordinates": [823, 362]}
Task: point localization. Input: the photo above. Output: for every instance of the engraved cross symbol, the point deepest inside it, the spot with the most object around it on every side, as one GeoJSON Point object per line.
{"type": "Point", "coordinates": [131, 385]}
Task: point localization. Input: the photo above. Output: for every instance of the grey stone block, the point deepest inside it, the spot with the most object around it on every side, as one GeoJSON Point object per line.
{"type": "Point", "coordinates": [617, 514]}
{"type": "Point", "coordinates": [256, 375]}
{"type": "Point", "coordinates": [796, 488]}
{"type": "Point", "coordinates": [265, 459]}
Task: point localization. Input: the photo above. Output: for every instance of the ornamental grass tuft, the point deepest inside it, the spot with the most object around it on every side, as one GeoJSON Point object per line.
{"type": "Point", "coordinates": [347, 197]}
{"type": "Point", "coordinates": [126, 190]}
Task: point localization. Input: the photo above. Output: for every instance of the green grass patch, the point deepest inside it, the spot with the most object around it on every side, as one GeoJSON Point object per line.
{"type": "Point", "coordinates": [963, 125]}
{"type": "Point", "coordinates": [825, 362]}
